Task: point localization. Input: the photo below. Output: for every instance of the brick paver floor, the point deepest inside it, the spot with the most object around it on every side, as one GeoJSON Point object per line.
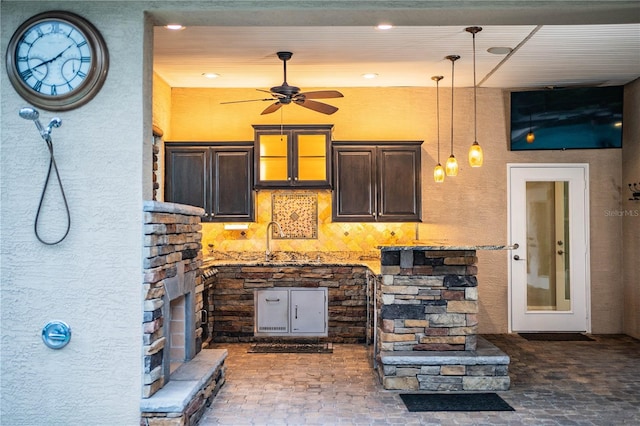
{"type": "Point", "coordinates": [552, 383]}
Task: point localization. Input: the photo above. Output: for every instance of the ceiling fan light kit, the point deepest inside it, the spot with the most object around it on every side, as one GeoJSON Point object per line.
{"type": "Point", "coordinates": [286, 94]}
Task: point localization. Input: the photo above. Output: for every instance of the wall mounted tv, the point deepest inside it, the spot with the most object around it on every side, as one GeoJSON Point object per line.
{"type": "Point", "coordinates": [578, 118]}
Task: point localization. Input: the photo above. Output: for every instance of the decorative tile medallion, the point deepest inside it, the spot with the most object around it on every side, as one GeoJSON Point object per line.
{"type": "Point", "coordinates": [297, 214]}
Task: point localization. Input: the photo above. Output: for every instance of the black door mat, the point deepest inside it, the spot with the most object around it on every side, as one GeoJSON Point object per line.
{"type": "Point", "coordinates": [556, 337]}
{"type": "Point", "coordinates": [416, 402]}
{"type": "Point", "coordinates": [294, 348]}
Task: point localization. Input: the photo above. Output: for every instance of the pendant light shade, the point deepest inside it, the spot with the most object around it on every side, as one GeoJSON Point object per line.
{"type": "Point", "coordinates": [530, 136]}
{"type": "Point", "coordinates": [438, 172]}
{"type": "Point", "coordinates": [476, 157]}
{"type": "Point", "coordinates": [451, 168]}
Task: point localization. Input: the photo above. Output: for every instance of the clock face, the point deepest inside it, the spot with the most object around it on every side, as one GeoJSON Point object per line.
{"type": "Point", "coordinates": [57, 60]}
{"type": "Point", "coordinates": [53, 57]}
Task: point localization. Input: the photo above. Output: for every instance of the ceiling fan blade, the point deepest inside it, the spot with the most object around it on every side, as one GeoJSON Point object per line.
{"type": "Point", "coordinates": [248, 100]}
{"type": "Point", "coordinates": [272, 108]}
{"type": "Point", "coordinates": [274, 94]}
{"type": "Point", "coordinates": [316, 106]}
{"type": "Point", "coordinates": [322, 94]}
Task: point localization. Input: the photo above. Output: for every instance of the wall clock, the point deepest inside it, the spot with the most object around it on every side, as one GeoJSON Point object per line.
{"type": "Point", "coordinates": [57, 60]}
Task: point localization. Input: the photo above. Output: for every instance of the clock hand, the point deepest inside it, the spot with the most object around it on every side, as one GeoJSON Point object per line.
{"type": "Point", "coordinates": [52, 59]}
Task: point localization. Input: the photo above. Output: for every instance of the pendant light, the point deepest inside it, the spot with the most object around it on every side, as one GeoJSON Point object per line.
{"type": "Point", "coordinates": [451, 167]}
{"type": "Point", "coordinates": [438, 172]}
{"type": "Point", "coordinates": [530, 136]}
{"type": "Point", "coordinates": [475, 152]}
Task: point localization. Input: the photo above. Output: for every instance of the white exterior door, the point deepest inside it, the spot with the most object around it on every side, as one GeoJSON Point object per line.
{"type": "Point", "coordinates": [549, 271]}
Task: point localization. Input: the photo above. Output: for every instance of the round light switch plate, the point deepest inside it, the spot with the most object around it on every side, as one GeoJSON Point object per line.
{"type": "Point", "coordinates": [56, 334]}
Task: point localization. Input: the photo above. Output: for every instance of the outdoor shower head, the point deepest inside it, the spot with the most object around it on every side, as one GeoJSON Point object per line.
{"type": "Point", "coordinates": [32, 114]}
{"type": "Point", "coordinates": [29, 113]}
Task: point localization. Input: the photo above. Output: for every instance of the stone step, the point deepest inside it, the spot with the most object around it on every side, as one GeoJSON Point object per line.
{"type": "Point", "coordinates": [190, 388]}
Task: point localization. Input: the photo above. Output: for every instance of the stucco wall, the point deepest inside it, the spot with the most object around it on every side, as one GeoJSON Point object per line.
{"type": "Point", "coordinates": [631, 218]}
{"type": "Point", "coordinates": [91, 280]}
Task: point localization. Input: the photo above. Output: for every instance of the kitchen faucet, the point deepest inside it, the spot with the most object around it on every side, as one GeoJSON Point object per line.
{"type": "Point", "coordinates": [267, 254]}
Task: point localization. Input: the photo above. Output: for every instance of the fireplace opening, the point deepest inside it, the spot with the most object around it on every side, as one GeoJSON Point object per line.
{"type": "Point", "coordinates": [179, 320]}
{"type": "Point", "coordinates": [177, 333]}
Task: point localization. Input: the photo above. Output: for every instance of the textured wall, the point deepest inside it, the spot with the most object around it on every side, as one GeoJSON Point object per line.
{"type": "Point", "coordinates": [91, 280]}
{"type": "Point", "coordinates": [631, 221]}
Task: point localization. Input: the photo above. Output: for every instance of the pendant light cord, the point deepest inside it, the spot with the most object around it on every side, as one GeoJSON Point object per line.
{"type": "Point", "coordinates": [438, 114]}
{"type": "Point", "coordinates": [52, 165]}
{"type": "Point", "coordinates": [475, 117]}
{"type": "Point", "coordinates": [453, 62]}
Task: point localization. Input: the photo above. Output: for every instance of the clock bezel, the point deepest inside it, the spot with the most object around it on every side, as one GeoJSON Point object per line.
{"type": "Point", "coordinates": [95, 77]}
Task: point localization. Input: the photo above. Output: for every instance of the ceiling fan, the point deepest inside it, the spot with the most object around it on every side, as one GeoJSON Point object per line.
{"type": "Point", "coordinates": [285, 94]}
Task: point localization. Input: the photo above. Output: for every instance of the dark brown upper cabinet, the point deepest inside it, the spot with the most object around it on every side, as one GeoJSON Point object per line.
{"type": "Point", "coordinates": [376, 181]}
{"type": "Point", "coordinates": [293, 156]}
{"type": "Point", "coordinates": [215, 176]}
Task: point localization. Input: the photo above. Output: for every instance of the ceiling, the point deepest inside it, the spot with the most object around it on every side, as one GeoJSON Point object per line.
{"type": "Point", "coordinates": [337, 56]}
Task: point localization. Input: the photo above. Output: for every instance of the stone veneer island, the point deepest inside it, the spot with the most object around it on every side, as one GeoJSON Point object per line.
{"type": "Point", "coordinates": [427, 330]}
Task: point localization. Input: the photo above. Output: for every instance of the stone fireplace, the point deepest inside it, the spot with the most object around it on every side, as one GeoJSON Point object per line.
{"type": "Point", "coordinates": [179, 380]}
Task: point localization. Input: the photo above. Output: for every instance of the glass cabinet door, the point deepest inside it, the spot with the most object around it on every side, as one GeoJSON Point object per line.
{"type": "Point", "coordinates": [293, 156]}
{"type": "Point", "coordinates": [312, 157]}
{"type": "Point", "coordinates": [273, 157]}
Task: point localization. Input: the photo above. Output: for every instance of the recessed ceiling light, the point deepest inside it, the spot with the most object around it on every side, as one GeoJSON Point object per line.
{"type": "Point", "coordinates": [369, 75]}
{"type": "Point", "coordinates": [499, 50]}
{"type": "Point", "coordinates": [210, 75]}
{"type": "Point", "coordinates": [174, 27]}
{"type": "Point", "coordinates": [384, 26]}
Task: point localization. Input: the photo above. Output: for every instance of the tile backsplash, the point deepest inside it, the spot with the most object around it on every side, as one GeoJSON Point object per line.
{"type": "Point", "coordinates": [331, 237]}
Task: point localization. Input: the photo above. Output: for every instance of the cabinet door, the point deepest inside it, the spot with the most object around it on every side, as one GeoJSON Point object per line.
{"type": "Point", "coordinates": [187, 178]}
{"type": "Point", "coordinates": [273, 168]}
{"type": "Point", "coordinates": [272, 311]}
{"type": "Point", "coordinates": [308, 311]}
{"type": "Point", "coordinates": [399, 191]}
{"type": "Point", "coordinates": [354, 194]}
{"type": "Point", "coordinates": [292, 156]}
{"type": "Point", "coordinates": [233, 198]}
{"type": "Point", "coordinates": [311, 165]}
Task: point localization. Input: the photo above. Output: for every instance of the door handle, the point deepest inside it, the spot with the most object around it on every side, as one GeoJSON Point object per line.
{"type": "Point", "coordinates": [516, 257]}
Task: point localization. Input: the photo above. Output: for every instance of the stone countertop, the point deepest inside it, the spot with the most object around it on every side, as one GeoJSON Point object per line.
{"type": "Point", "coordinates": [373, 265]}
{"type": "Point", "coordinates": [429, 247]}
